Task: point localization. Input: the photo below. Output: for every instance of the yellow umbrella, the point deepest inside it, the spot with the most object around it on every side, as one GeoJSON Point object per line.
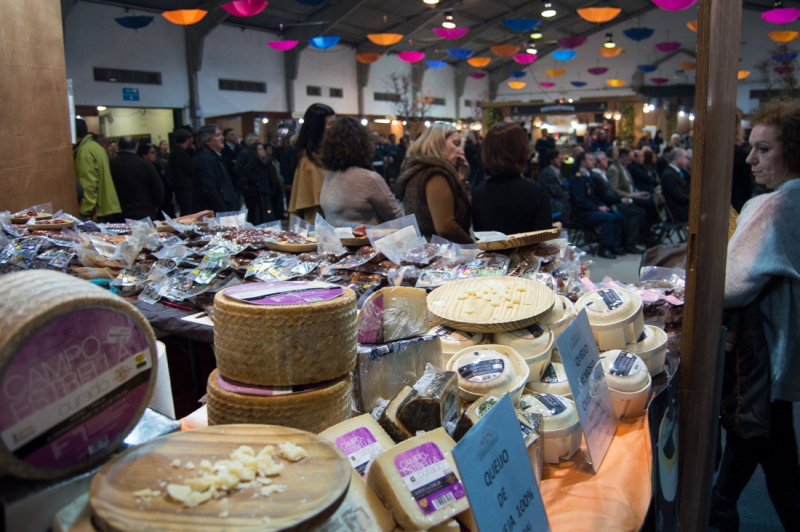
{"type": "Point", "coordinates": [783, 36]}
{"type": "Point", "coordinates": [479, 62]}
{"type": "Point", "coordinates": [616, 82]}
{"type": "Point", "coordinates": [610, 52]}
{"type": "Point", "coordinates": [555, 72]}
{"type": "Point", "coordinates": [516, 84]}
{"type": "Point", "coordinates": [688, 65]}
{"type": "Point", "coordinates": [184, 17]}
{"type": "Point", "coordinates": [599, 14]}
{"type": "Point", "coordinates": [692, 25]}
{"type": "Point", "coordinates": [743, 74]}
{"type": "Point", "coordinates": [385, 39]}
{"type": "Point", "coordinates": [367, 58]}
{"type": "Point", "coordinates": [505, 50]}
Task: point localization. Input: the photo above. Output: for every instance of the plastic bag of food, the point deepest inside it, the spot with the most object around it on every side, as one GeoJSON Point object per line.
{"type": "Point", "coordinates": [397, 238]}
{"type": "Point", "coordinates": [300, 226]}
{"type": "Point", "coordinates": [237, 219]}
{"type": "Point", "coordinates": [485, 265]}
{"type": "Point", "coordinates": [327, 239]}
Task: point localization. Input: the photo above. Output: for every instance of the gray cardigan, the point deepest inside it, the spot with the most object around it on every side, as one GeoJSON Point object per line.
{"type": "Point", "coordinates": [357, 196]}
{"type": "Point", "coordinates": [765, 247]}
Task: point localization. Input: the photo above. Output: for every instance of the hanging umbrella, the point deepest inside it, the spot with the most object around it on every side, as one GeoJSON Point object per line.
{"type": "Point", "coordinates": [647, 68]}
{"type": "Point", "coordinates": [435, 64]}
{"type": "Point", "coordinates": [451, 33]}
{"type": "Point", "coordinates": [477, 75]}
{"type": "Point", "coordinates": [668, 46]}
{"type": "Point", "coordinates": [743, 74]}
{"type": "Point", "coordinates": [245, 8]}
{"type": "Point", "coordinates": [521, 24]}
{"type": "Point", "coordinates": [781, 15]}
{"type": "Point", "coordinates": [385, 39]}
{"type": "Point", "coordinates": [599, 14]}
{"type": "Point", "coordinates": [517, 84]}
{"type": "Point", "coordinates": [282, 46]}
{"type": "Point", "coordinates": [638, 34]}
{"type": "Point", "coordinates": [674, 5]}
{"type": "Point", "coordinates": [184, 17]}
{"type": "Point", "coordinates": [688, 65]}
{"type": "Point", "coordinates": [571, 43]}
{"type": "Point", "coordinates": [616, 82]}
{"type": "Point", "coordinates": [479, 62]}
{"type": "Point", "coordinates": [659, 81]}
{"type": "Point", "coordinates": [578, 83]}
{"type": "Point", "coordinates": [460, 53]}
{"type": "Point", "coordinates": [324, 42]}
{"type": "Point", "coordinates": [505, 50]}
{"type": "Point", "coordinates": [783, 70]}
{"type": "Point", "coordinates": [778, 36]}
{"type": "Point", "coordinates": [597, 71]}
{"type": "Point", "coordinates": [411, 57]}
{"type": "Point", "coordinates": [555, 73]}
{"type": "Point", "coordinates": [692, 25]}
{"type": "Point", "coordinates": [134, 23]}
{"type": "Point", "coordinates": [517, 73]}
{"type": "Point", "coordinates": [367, 58]}
{"type": "Point", "coordinates": [611, 52]}
{"type": "Point", "coordinates": [524, 59]}
{"type": "Point", "coordinates": [564, 55]}
{"type": "Point", "coordinates": [782, 58]}
{"type": "Point", "coordinates": [547, 84]}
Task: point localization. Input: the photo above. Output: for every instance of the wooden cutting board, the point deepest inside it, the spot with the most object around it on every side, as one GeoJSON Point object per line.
{"type": "Point", "coordinates": [521, 239]}
{"type": "Point", "coordinates": [315, 486]}
{"type": "Point", "coordinates": [474, 314]}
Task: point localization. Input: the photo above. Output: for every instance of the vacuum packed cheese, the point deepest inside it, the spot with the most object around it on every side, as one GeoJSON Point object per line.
{"type": "Point", "coordinates": [361, 439]}
{"type": "Point", "coordinates": [394, 313]}
{"type": "Point", "coordinates": [313, 408]}
{"type": "Point", "coordinates": [76, 373]}
{"type": "Point", "coordinates": [418, 481]}
{"type": "Point", "coordinates": [434, 405]}
{"type": "Point", "coordinates": [388, 418]}
{"type": "Point", "coordinates": [361, 511]}
{"type": "Point", "coordinates": [473, 413]}
{"type": "Point", "coordinates": [481, 371]}
{"type": "Point", "coordinates": [383, 370]}
{"type": "Point", "coordinates": [285, 333]}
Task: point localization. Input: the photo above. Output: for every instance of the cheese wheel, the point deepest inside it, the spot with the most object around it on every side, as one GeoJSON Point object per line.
{"type": "Point", "coordinates": [77, 370]}
{"type": "Point", "coordinates": [530, 342]}
{"type": "Point", "coordinates": [482, 371]}
{"type": "Point", "coordinates": [313, 410]}
{"type": "Point", "coordinates": [277, 344]}
{"type": "Point", "coordinates": [559, 412]}
{"type": "Point", "coordinates": [609, 306]}
{"type": "Point", "coordinates": [625, 372]}
{"type": "Point", "coordinates": [454, 341]}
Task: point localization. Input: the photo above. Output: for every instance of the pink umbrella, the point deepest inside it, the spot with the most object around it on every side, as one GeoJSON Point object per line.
{"type": "Point", "coordinates": [783, 70]}
{"type": "Point", "coordinates": [547, 84]}
{"type": "Point", "coordinates": [450, 33]}
{"type": "Point", "coordinates": [245, 8]}
{"type": "Point", "coordinates": [411, 57]}
{"type": "Point", "coordinates": [282, 46]}
{"type": "Point", "coordinates": [668, 46]}
{"type": "Point", "coordinates": [597, 71]}
{"type": "Point", "coordinates": [674, 5]}
{"type": "Point", "coordinates": [659, 81]}
{"type": "Point", "coordinates": [571, 42]}
{"type": "Point", "coordinates": [477, 75]}
{"type": "Point", "coordinates": [781, 15]}
{"type": "Point", "coordinates": [524, 59]}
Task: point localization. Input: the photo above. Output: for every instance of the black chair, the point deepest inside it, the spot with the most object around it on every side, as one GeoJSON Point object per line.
{"type": "Point", "coordinates": [669, 227]}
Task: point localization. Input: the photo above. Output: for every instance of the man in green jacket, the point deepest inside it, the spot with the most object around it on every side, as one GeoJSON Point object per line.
{"type": "Point", "coordinates": [94, 175]}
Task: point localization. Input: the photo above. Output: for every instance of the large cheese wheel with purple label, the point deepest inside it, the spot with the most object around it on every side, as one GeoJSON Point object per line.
{"type": "Point", "coordinates": [77, 370]}
{"type": "Point", "coordinates": [285, 333]}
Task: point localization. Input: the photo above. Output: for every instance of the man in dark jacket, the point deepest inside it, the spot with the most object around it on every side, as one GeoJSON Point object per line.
{"type": "Point", "coordinates": [634, 218]}
{"type": "Point", "coordinates": [662, 162]}
{"type": "Point", "coordinates": [642, 179]}
{"type": "Point", "coordinates": [181, 170]}
{"type": "Point", "coordinates": [139, 187]}
{"type": "Point", "coordinates": [545, 143]}
{"type": "Point", "coordinates": [674, 186]}
{"type": "Point", "coordinates": [215, 188]}
{"type": "Point", "coordinates": [591, 211]}
{"type": "Point", "coordinates": [550, 178]}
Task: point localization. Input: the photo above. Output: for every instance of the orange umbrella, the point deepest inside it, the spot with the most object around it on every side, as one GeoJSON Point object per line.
{"type": "Point", "coordinates": [505, 50]}
{"type": "Point", "coordinates": [692, 25]}
{"type": "Point", "coordinates": [610, 52]}
{"type": "Point", "coordinates": [616, 82]}
{"type": "Point", "coordinates": [599, 14]}
{"type": "Point", "coordinates": [688, 65]}
{"type": "Point", "coordinates": [783, 36]}
{"type": "Point", "coordinates": [743, 74]}
{"type": "Point", "coordinates": [555, 72]}
{"type": "Point", "coordinates": [479, 62]}
{"type": "Point", "coordinates": [185, 17]}
{"type": "Point", "coordinates": [367, 58]}
{"type": "Point", "coordinates": [516, 84]}
{"type": "Point", "coordinates": [385, 39]}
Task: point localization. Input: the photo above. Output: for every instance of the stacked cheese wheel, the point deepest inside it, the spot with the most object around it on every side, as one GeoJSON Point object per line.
{"type": "Point", "coordinates": [284, 354]}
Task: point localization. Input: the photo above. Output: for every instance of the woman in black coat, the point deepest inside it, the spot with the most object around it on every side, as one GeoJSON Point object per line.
{"type": "Point", "coordinates": [259, 189]}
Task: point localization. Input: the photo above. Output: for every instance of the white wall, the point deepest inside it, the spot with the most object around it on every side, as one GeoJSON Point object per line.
{"type": "Point", "coordinates": [379, 73]}
{"type": "Point", "coordinates": [93, 39]}
{"type": "Point", "coordinates": [334, 67]}
{"type": "Point", "coordinates": [230, 53]}
{"type": "Point", "coordinates": [475, 90]}
{"type": "Point", "coordinates": [441, 83]}
{"type": "Point", "coordinates": [121, 121]}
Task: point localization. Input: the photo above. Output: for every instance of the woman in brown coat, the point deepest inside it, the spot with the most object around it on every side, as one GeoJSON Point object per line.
{"type": "Point", "coordinates": [308, 177]}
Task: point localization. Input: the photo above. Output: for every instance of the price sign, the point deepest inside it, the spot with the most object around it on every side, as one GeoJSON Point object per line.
{"type": "Point", "coordinates": [587, 381]}
{"type": "Point", "coordinates": [498, 476]}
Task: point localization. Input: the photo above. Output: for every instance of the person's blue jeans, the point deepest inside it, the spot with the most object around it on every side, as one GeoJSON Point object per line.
{"type": "Point", "coordinates": [612, 227]}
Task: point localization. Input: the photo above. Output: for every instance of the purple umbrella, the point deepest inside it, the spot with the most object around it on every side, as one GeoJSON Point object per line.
{"type": "Point", "coordinates": [571, 42]}
{"type": "Point", "coordinates": [597, 71]}
{"type": "Point", "coordinates": [668, 46]}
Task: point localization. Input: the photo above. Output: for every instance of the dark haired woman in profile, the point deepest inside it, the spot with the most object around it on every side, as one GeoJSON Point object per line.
{"type": "Point", "coordinates": [506, 201]}
{"type": "Point", "coordinates": [309, 174]}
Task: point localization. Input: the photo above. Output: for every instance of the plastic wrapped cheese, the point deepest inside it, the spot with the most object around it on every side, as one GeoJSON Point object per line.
{"type": "Point", "coordinates": [388, 417]}
{"type": "Point", "coordinates": [435, 403]}
{"type": "Point", "coordinates": [361, 510]}
{"type": "Point", "coordinates": [651, 347]}
{"type": "Point", "coordinates": [418, 481]}
{"type": "Point", "coordinates": [394, 313]}
{"type": "Point", "coordinates": [454, 341]}
{"type": "Point", "coordinates": [482, 371]}
{"type": "Point", "coordinates": [473, 413]}
{"type": "Point", "coordinates": [361, 438]}
{"type": "Point", "coordinates": [560, 428]}
{"type": "Point", "coordinates": [628, 382]}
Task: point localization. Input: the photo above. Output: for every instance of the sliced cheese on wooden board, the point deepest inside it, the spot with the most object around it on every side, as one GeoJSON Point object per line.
{"type": "Point", "coordinates": [77, 370]}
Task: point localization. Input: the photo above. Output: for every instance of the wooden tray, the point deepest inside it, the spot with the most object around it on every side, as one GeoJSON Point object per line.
{"type": "Point", "coordinates": [315, 486]}
{"type": "Point", "coordinates": [363, 241]}
{"type": "Point", "coordinates": [521, 239]}
{"type": "Point", "coordinates": [292, 248]}
{"type": "Point", "coordinates": [23, 219]}
{"type": "Point", "coordinates": [66, 225]}
{"type": "Point", "coordinates": [448, 309]}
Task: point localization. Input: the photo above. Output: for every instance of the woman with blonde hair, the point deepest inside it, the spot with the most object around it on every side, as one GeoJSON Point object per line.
{"type": "Point", "coordinates": [430, 186]}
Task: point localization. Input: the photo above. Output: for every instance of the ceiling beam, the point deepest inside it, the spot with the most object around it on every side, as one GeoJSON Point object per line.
{"type": "Point", "coordinates": [331, 15]}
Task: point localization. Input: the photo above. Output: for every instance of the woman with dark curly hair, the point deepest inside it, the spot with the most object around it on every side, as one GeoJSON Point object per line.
{"type": "Point", "coordinates": [351, 192]}
{"type": "Point", "coordinates": [762, 285]}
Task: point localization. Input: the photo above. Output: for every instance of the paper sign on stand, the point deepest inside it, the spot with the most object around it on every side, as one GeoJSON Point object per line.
{"type": "Point", "coordinates": [587, 381]}
{"type": "Point", "coordinates": [497, 474]}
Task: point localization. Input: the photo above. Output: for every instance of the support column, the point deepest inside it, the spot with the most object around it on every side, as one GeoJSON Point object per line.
{"type": "Point", "coordinates": [362, 78]}
{"type": "Point", "coordinates": [495, 78]}
{"type": "Point", "coordinates": [291, 59]}
{"type": "Point", "coordinates": [460, 82]}
{"type": "Point", "coordinates": [36, 164]}
{"type": "Point", "coordinates": [712, 166]}
{"type": "Point", "coordinates": [417, 75]}
{"type": "Point", "coordinates": [195, 37]}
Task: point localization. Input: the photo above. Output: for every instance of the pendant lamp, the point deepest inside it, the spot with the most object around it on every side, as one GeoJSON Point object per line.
{"type": "Point", "coordinates": [505, 50]}
{"type": "Point", "coordinates": [517, 84]}
{"type": "Point", "coordinates": [450, 33]}
{"type": "Point", "coordinates": [324, 42]}
{"type": "Point", "coordinates": [245, 8]}
{"type": "Point", "coordinates": [185, 17]}
{"type": "Point", "coordinates": [599, 14]}
{"type": "Point", "coordinates": [479, 62]}
{"type": "Point", "coordinates": [525, 59]}
{"type": "Point", "coordinates": [411, 56]}
{"type": "Point", "coordinates": [282, 46]}
{"type": "Point", "coordinates": [385, 39]}
{"type": "Point", "coordinates": [367, 58]}
{"type": "Point", "coordinates": [134, 22]}
{"type": "Point", "coordinates": [674, 5]}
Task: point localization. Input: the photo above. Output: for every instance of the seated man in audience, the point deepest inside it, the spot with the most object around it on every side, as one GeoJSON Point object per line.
{"type": "Point", "coordinates": [642, 179]}
{"type": "Point", "coordinates": [674, 186]}
{"type": "Point", "coordinates": [550, 178]}
{"type": "Point", "coordinates": [621, 181]}
{"type": "Point", "coordinates": [634, 222]}
{"type": "Point", "coordinates": [139, 187]}
{"type": "Point", "coordinates": [601, 142]}
{"type": "Point", "coordinates": [591, 211]}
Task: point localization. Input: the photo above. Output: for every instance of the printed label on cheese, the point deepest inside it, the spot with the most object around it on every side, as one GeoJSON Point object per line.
{"type": "Point", "coordinates": [448, 333]}
{"type": "Point", "coordinates": [230, 385]}
{"type": "Point", "coordinates": [550, 376]}
{"type": "Point", "coordinates": [625, 364]}
{"type": "Point", "coordinates": [361, 448]}
{"type": "Point", "coordinates": [428, 477]}
{"type": "Point", "coordinates": [610, 298]}
{"type": "Point", "coordinates": [73, 387]}
{"type": "Point", "coordinates": [349, 518]}
{"type": "Point", "coordinates": [486, 406]}
{"type": "Point", "coordinates": [551, 403]}
{"type": "Point", "coordinates": [525, 429]}
{"type": "Point", "coordinates": [482, 371]}
{"type": "Point", "coordinates": [285, 292]}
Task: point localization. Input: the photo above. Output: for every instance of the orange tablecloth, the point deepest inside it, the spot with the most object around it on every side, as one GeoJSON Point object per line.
{"type": "Point", "coordinates": [616, 498]}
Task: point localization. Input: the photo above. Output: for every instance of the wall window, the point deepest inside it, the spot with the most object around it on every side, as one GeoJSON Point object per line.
{"type": "Point", "coordinates": [386, 97]}
{"type": "Point", "coordinates": [467, 103]}
{"type": "Point", "coordinates": [313, 91]}
{"type": "Point", "coordinates": [116, 75]}
{"type": "Point", "coordinates": [438, 101]}
{"type": "Point", "coordinates": [239, 85]}
{"type": "Point", "coordinates": [336, 93]}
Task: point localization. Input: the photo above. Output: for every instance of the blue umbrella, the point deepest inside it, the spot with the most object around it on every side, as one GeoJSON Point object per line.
{"type": "Point", "coordinates": [639, 34]}
{"type": "Point", "coordinates": [134, 23]}
{"type": "Point", "coordinates": [564, 55]}
{"type": "Point", "coordinates": [312, 2]}
{"type": "Point", "coordinates": [324, 42]}
{"type": "Point", "coordinates": [521, 24]}
{"type": "Point", "coordinates": [647, 68]}
{"type": "Point", "coordinates": [460, 53]}
{"type": "Point", "coordinates": [781, 58]}
{"type": "Point", "coordinates": [517, 73]}
{"type": "Point", "coordinates": [578, 83]}
{"type": "Point", "coordinates": [436, 64]}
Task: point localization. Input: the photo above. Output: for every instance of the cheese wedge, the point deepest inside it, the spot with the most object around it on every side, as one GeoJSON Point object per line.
{"type": "Point", "coordinates": [361, 510]}
{"type": "Point", "coordinates": [388, 418]}
{"type": "Point", "coordinates": [434, 405]}
{"type": "Point", "coordinates": [361, 438]}
{"type": "Point", "coordinates": [394, 313]}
